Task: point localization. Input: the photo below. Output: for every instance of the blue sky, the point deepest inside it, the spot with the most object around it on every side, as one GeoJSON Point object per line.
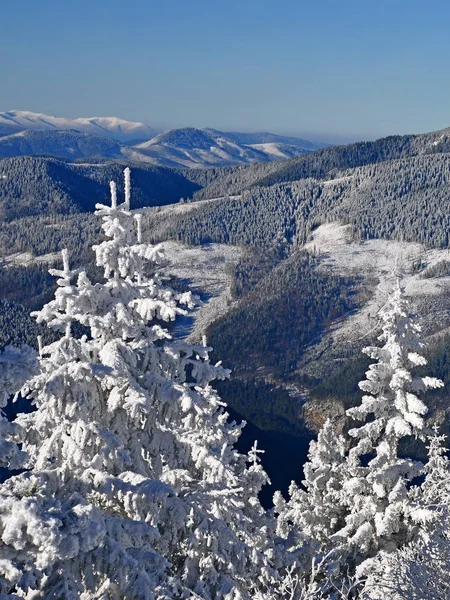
{"type": "Point", "coordinates": [349, 69]}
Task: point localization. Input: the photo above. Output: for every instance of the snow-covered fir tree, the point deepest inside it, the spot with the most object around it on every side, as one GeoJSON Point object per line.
{"type": "Point", "coordinates": [316, 508]}
{"type": "Point", "coordinates": [133, 488]}
{"type": "Point", "coordinates": [435, 491]}
{"type": "Point", "coordinates": [420, 569]}
{"type": "Point", "coordinates": [17, 365]}
{"type": "Point", "coordinates": [382, 511]}
{"type": "Point", "coordinates": [358, 502]}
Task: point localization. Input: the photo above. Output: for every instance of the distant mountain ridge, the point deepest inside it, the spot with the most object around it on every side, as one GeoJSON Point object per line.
{"type": "Point", "coordinates": [190, 147]}
{"type": "Point", "coordinates": [61, 143]}
{"type": "Point", "coordinates": [121, 130]}
{"type": "Point", "coordinates": [26, 133]}
{"type": "Point", "coordinates": [36, 185]}
{"type": "Point", "coordinates": [264, 137]}
{"type": "Point", "coordinates": [325, 162]}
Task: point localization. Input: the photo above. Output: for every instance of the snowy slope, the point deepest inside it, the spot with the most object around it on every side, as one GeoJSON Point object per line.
{"type": "Point", "coordinates": [265, 137]}
{"type": "Point", "coordinates": [379, 263]}
{"type": "Point", "coordinates": [110, 127]}
{"type": "Point", "coordinates": [278, 151]}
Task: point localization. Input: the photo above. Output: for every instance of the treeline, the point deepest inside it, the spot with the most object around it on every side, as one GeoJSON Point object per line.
{"type": "Point", "coordinates": [254, 265]}
{"type": "Point", "coordinates": [440, 269]}
{"type": "Point", "coordinates": [403, 200]}
{"type": "Point", "coordinates": [49, 234]}
{"type": "Point", "coordinates": [256, 218]}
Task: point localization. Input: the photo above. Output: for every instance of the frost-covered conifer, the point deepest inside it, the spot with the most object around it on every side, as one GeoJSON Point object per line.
{"type": "Point", "coordinates": [435, 490]}
{"type": "Point", "coordinates": [134, 489]}
{"type": "Point", "coordinates": [381, 510]}
{"type": "Point", "coordinates": [358, 502]}
{"type": "Point", "coordinates": [317, 509]}
{"type": "Point", "coordinates": [421, 569]}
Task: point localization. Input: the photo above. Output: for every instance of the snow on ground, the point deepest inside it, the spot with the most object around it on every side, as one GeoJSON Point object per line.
{"type": "Point", "coordinates": [204, 268]}
{"type": "Point", "coordinates": [23, 259]}
{"type": "Point", "coordinates": [270, 148]}
{"type": "Point", "coordinates": [184, 207]}
{"type": "Point", "coordinates": [380, 262]}
{"type": "Point", "coordinates": [105, 126]}
{"type": "Point", "coordinates": [337, 180]}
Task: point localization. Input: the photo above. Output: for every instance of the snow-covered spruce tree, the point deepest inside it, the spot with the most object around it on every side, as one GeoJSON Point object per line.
{"type": "Point", "coordinates": [133, 488]}
{"type": "Point", "coordinates": [363, 494]}
{"type": "Point", "coordinates": [413, 572]}
{"type": "Point", "coordinates": [311, 515]}
{"type": "Point", "coordinates": [421, 569]}
{"type": "Point", "coordinates": [316, 509]}
{"type": "Point", "coordinates": [382, 511]}
{"type": "Point", "coordinates": [435, 490]}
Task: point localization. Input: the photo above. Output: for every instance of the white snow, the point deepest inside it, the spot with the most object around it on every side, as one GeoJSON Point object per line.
{"type": "Point", "coordinates": [384, 260]}
{"type": "Point", "coordinates": [205, 268]}
{"type": "Point", "coordinates": [439, 140]}
{"type": "Point", "coordinates": [23, 259]}
{"type": "Point", "coordinates": [272, 149]}
{"type": "Point", "coordinates": [338, 180]}
{"type": "Point", "coordinates": [112, 127]}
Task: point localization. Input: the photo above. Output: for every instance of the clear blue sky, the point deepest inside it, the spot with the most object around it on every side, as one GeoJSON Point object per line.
{"type": "Point", "coordinates": [350, 68]}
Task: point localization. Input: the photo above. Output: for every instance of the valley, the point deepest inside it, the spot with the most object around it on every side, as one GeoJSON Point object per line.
{"type": "Point", "coordinates": [291, 261]}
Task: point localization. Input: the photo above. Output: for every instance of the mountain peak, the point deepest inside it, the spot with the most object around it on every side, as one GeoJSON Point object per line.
{"type": "Point", "coordinates": [13, 121]}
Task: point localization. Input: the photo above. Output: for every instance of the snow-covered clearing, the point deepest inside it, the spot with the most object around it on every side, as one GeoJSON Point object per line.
{"type": "Point", "coordinates": [380, 262]}
{"type": "Point", "coordinates": [272, 149]}
{"type": "Point", "coordinates": [205, 269]}
{"type": "Point", "coordinates": [183, 207]}
{"type": "Point", "coordinates": [337, 180]}
{"type": "Point", "coordinates": [24, 259]}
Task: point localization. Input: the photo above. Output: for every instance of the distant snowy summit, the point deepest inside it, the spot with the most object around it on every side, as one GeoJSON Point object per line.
{"type": "Point", "coordinates": [27, 133]}
{"type": "Point", "coordinates": [190, 147]}
{"type": "Point", "coordinates": [121, 130]}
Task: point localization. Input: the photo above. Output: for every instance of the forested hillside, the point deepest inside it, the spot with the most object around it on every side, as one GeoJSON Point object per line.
{"type": "Point", "coordinates": [284, 301]}
{"type": "Point", "coordinates": [285, 312]}
{"type": "Point", "coordinates": [324, 163]}
{"type": "Point", "coordinates": [64, 144]}
{"type": "Point", "coordinates": [403, 199]}
{"type": "Point", "coordinates": [43, 186]}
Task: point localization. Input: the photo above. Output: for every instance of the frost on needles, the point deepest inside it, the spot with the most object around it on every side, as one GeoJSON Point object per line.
{"type": "Point", "coordinates": [361, 501]}
{"type": "Point", "coordinates": [132, 487]}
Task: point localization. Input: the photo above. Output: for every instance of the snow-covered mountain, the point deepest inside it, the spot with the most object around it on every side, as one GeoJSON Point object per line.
{"type": "Point", "coordinates": [62, 144]}
{"type": "Point", "coordinates": [23, 132]}
{"type": "Point", "coordinates": [190, 147]}
{"type": "Point", "coordinates": [14, 121]}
